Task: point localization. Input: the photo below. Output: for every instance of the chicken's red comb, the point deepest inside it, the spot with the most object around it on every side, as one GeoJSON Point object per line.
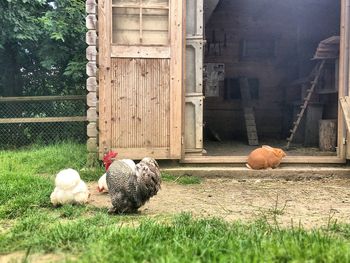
{"type": "Point", "coordinates": [108, 156]}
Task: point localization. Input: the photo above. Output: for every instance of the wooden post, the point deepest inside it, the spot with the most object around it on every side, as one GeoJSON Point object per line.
{"type": "Point", "coordinates": [343, 150]}
{"type": "Point", "coordinates": [91, 83]}
{"type": "Point", "coordinates": [328, 135]}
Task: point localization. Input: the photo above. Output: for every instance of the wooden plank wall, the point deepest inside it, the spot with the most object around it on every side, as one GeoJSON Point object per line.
{"type": "Point", "coordinates": [141, 96]}
{"type": "Point", "coordinates": [296, 34]}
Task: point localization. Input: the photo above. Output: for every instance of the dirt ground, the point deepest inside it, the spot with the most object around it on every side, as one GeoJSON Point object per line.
{"type": "Point", "coordinates": [18, 257]}
{"type": "Point", "coordinates": [312, 203]}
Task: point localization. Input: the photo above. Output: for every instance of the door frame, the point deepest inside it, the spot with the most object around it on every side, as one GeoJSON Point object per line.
{"type": "Point", "coordinates": [344, 60]}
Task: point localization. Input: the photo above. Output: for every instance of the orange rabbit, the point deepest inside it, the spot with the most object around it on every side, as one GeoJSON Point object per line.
{"type": "Point", "coordinates": [265, 157]}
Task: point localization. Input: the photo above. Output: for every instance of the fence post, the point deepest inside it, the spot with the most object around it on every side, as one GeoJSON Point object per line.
{"type": "Point", "coordinates": [92, 82]}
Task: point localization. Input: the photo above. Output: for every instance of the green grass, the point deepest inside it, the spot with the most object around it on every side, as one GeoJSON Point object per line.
{"type": "Point", "coordinates": [27, 176]}
{"type": "Point", "coordinates": [184, 180]}
{"type": "Point", "coordinates": [28, 222]}
{"type": "Point", "coordinates": [103, 238]}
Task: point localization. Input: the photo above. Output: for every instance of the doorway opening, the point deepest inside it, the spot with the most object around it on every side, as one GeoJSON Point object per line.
{"type": "Point", "coordinates": [271, 74]}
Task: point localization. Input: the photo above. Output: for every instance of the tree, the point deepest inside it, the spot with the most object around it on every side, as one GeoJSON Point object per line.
{"type": "Point", "coordinates": [42, 47]}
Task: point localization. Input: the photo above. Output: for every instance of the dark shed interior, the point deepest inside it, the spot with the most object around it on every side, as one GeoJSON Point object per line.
{"type": "Point", "coordinates": [259, 56]}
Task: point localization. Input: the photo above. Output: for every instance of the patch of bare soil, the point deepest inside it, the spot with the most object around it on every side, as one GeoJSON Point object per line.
{"type": "Point", "coordinates": [312, 203]}
{"type": "Point", "coordinates": [37, 258]}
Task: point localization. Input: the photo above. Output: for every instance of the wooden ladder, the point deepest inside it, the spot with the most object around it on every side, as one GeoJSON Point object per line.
{"type": "Point", "coordinates": [249, 116]}
{"type": "Point", "coordinates": [318, 70]}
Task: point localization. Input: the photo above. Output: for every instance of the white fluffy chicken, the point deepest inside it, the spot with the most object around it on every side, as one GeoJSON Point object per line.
{"type": "Point", "coordinates": [70, 189]}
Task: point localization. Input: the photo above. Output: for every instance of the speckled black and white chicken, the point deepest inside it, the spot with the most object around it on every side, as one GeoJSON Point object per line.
{"type": "Point", "coordinates": [131, 186]}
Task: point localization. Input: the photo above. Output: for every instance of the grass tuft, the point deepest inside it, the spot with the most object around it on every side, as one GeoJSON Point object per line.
{"type": "Point", "coordinates": [183, 179]}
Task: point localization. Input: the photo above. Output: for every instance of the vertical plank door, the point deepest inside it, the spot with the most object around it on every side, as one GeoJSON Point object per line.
{"type": "Point", "coordinates": [140, 77]}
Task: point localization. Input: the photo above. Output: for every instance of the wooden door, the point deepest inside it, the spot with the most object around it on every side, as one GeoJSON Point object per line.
{"type": "Point", "coordinates": [140, 77]}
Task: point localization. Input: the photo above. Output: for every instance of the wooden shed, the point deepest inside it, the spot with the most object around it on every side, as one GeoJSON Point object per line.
{"type": "Point", "coordinates": [207, 81]}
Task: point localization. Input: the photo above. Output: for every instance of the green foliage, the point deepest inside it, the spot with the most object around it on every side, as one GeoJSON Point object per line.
{"type": "Point", "coordinates": [18, 20]}
{"type": "Point", "coordinates": [42, 46]}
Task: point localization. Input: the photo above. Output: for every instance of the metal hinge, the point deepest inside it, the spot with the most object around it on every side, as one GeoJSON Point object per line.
{"type": "Point", "coordinates": [182, 140]}
{"type": "Point", "coordinates": [344, 141]}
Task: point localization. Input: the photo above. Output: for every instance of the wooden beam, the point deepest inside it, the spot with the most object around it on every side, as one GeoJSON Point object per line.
{"type": "Point", "coordinates": [91, 38]}
{"type": "Point", "coordinates": [104, 76]}
{"type": "Point", "coordinates": [176, 78]}
{"type": "Point", "coordinates": [91, 69]}
{"type": "Point", "coordinates": [90, 6]}
{"type": "Point", "coordinates": [91, 22]}
{"type": "Point", "coordinates": [140, 52]}
{"type": "Point", "coordinates": [91, 84]}
{"type": "Point", "coordinates": [42, 120]}
{"type": "Point", "coordinates": [146, 6]}
{"type": "Point", "coordinates": [92, 145]}
{"type": "Point", "coordinates": [183, 104]}
{"type": "Point", "coordinates": [91, 114]}
{"type": "Point", "coordinates": [139, 153]}
{"type": "Point", "coordinates": [91, 53]}
{"type": "Point", "coordinates": [92, 130]}
{"type": "Point", "coordinates": [42, 98]}
{"type": "Point", "coordinates": [91, 99]}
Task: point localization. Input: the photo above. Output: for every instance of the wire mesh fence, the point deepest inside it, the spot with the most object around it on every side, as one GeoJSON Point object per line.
{"type": "Point", "coordinates": [42, 120]}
